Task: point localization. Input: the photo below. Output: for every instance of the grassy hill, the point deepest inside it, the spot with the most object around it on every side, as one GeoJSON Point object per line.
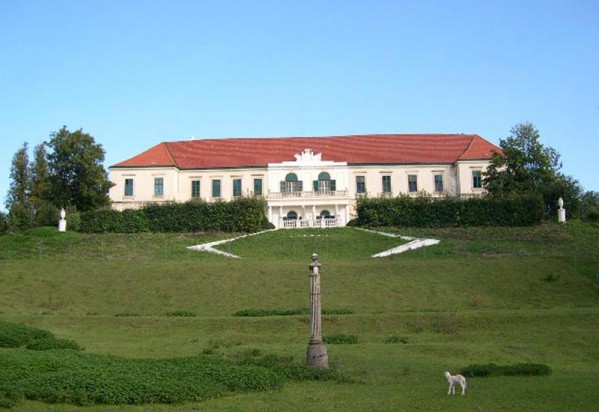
{"type": "Point", "coordinates": [501, 295]}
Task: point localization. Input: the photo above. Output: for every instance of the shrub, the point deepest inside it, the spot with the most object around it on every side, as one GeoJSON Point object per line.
{"type": "Point", "coordinates": [52, 343]}
{"type": "Point", "coordinates": [526, 369]}
{"type": "Point", "coordinates": [341, 339]}
{"type": "Point", "coordinates": [73, 218]}
{"type": "Point", "coordinates": [244, 214]}
{"type": "Point", "coordinates": [181, 313]}
{"type": "Point", "coordinates": [519, 369]}
{"type": "Point", "coordinates": [13, 335]}
{"type": "Point", "coordinates": [396, 339]}
{"type": "Point", "coordinates": [289, 312]}
{"type": "Point", "coordinates": [83, 379]}
{"type": "Point", "coordinates": [272, 312]}
{"type": "Point", "coordinates": [524, 210]}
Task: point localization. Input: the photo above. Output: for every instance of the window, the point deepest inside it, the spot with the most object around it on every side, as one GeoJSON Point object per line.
{"type": "Point", "coordinates": [360, 184]}
{"type": "Point", "coordinates": [158, 186]}
{"type": "Point", "coordinates": [128, 187]}
{"type": "Point", "coordinates": [325, 214]}
{"type": "Point", "coordinates": [477, 180]}
{"type": "Point", "coordinates": [438, 183]}
{"type": "Point", "coordinates": [291, 184]}
{"type": "Point", "coordinates": [257, 187]}
{"type": "Point", "coordinates": [386, 184]}
{"type": "Point", "coordinates": [324, 183]}
{"type": "Point", "coordinates": [195, 188]}
{"type": "Point", "coordinates": [412, 183]}
{"type": "Point", "coordinates": [292, 215]}
{"type": "Point", "coordinates": [236, 187]}
{"type": "Point", "coordinates": [216, 188]}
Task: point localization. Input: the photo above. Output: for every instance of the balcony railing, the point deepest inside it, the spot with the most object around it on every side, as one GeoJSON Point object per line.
{"type": "Point", "coordinates": [306, 223]}
{"type": "Point", "coordinates": [320, 193]}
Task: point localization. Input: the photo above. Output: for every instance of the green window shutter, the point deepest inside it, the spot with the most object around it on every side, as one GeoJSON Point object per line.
{"type": "Point", "coordinates": [333, 186]}
{"type": "Point", "coordinates": [315, 185]}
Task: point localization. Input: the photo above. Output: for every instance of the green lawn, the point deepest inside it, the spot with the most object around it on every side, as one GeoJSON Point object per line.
{"type": "Point", "coordinates": [506, 295]}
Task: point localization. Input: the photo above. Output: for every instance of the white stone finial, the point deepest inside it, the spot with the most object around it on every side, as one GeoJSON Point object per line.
{"type": "Point", "coordinates": [560, 203]}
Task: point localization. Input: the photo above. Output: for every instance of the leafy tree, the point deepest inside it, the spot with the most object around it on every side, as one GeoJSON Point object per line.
{"type": "Point", "coordinates": [77, 176]}
{"type": "Point", "coordinates": [20, 208]}
{"type": "Point", "coordinates": [3, 222]}
{"type": "Point", "coordinates": [526, 166]}
{"type": "Point", "coordinates": [589, 206]}
{"type": "Point", "coordinates": [46, 213]}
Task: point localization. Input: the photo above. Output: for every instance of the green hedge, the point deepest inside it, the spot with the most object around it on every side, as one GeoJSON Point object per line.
{"type": "Point", "coordinates": [519, 369]}
{"type": "Point", "coordinates": [526, 210]}
{"type": "Point", "coordinates": [289, 312]}
{"type": "Point", "coordinates": [244, 214]}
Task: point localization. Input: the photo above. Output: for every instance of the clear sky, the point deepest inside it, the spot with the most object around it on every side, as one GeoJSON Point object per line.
{"type": "Point", "coordinates": [135, 73]}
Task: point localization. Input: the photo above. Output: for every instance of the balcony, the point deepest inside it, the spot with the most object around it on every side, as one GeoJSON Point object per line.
{"type": "Point", "coordinates": [307, 223]}
{"type": "Point", "coordinates": [317, 194]}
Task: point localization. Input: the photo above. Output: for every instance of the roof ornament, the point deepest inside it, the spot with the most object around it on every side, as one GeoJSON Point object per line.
{"type": "Point", "coordinates": [308, 156]}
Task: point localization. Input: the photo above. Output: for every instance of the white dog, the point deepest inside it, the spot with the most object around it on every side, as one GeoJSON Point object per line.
{"type": "Point", "coordinates": [453, 380]}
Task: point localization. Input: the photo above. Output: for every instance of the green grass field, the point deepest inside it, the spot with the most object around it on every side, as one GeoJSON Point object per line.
{"type": "Point", "coordinates": [500, 295]}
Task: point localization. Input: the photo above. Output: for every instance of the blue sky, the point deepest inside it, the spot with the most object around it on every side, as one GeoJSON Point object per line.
{"type": "Point", "coordinates": [135, 73]}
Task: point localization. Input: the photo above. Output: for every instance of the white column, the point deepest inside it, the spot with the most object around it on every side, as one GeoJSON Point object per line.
{"type": "Point", "coordinates": [316, 354]}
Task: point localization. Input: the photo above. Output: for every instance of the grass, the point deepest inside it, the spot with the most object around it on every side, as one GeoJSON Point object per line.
{"type": "Point", "coordinates": [482, 296]}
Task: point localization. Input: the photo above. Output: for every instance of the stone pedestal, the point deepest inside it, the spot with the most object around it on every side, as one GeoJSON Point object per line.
{"type": "Point", "coordinates": [561, 215]}
{"type": "Point", "coordinates": [316, 354]}
{"type": "Point", "coordinates": [62, 223]}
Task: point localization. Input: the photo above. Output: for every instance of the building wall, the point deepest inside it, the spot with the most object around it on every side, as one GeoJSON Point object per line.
{"type": "Point", "coordinates": [457, 180]}
{"type": "Point", "coordinates": [465, 171]}
{"type": "Point", "coordinates": [399, 179]}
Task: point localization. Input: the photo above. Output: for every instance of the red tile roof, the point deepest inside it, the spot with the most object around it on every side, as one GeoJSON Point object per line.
{"type": "Point", "coordinates": [359, 149]}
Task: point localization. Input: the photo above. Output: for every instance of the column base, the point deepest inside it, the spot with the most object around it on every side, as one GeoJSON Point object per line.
{"type": "Point", "coordinates": [316, 355]}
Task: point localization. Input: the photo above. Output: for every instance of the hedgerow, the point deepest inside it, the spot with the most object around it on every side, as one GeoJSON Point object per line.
{"type": "Point", "coordinates": [422, 211]}
{"type": "Point", "coordinates": [341, 339]}
{"type": "Point", "coordinates": [519, 369]}
{"type": "Point", "coordinates": [289, 312]}
{"type": "Point", "coordinates": [244, 214]}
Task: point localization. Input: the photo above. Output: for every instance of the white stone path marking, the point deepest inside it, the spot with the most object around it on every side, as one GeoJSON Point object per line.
{"type": "Point", "coordinates": [414, 243]}
{"type": "Point", "coordinates": [208, 247]}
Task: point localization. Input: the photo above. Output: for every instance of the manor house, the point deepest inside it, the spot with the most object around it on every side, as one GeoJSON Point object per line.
{"type": "Point", "coordinates": [306, 181]}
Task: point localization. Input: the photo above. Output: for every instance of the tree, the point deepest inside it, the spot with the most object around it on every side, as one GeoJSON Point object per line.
{"type": "Point", "coordinates": [589, 206]}
{"type": "Point", "coordinates": [46, 213]}
{"type": "Point", "coordinates": [20, 209]}
{"type": "Point", "coordinates": [526, 166]}
{"type": "Point", "coordinates": [77, 176]}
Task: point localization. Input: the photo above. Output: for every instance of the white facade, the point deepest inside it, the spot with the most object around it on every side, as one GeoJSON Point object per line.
{"type": "Point", "coordinates": [305, 192]}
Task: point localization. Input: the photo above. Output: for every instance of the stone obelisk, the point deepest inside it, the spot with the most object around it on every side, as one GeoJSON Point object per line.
{"type": "Point", "coordinates": [316, 355]}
